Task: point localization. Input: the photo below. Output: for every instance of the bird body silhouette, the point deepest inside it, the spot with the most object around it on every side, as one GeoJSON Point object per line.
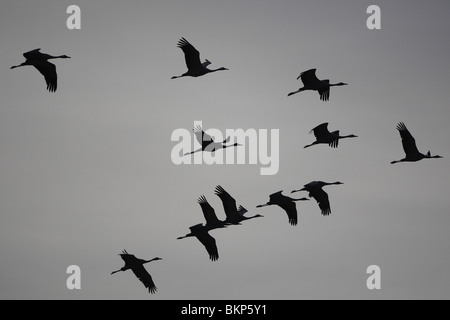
{"type": "Point", "coordinates": [207, 142]}
{"type": "Point", "coordinates": [323, 136]}
{"type": "Point", "coordinates": [200, 232]}
{"type": "Point", "coordinates": [195, 67]}
{"type": "Point", "coordinates": [234, 214]}
{"type": "Point", "coordinates": [410, 147]}
{"type": "Point", "coordinates": [40, 61]}
{"type": "Point", "coordinates": [311, 82]}
{"type": "Point", "coordinates": [315, 191]}
{"type": "Point", "coordinates": [212, 222]}
{"type": "Point", "coordinates": [137, 266]}
{"type": "Point", "coordinates": [286, 203]}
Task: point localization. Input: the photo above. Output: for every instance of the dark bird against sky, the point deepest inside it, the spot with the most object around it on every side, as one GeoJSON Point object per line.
{"type": "Point", "coordinates": [311, 82]}
{"type": "Point", "coordinates": [234, 214]}
{"type": "Point", "coordinates": [195, 67]}
{"type": "Point", "coordinates": [410, 148]}
{"type": "Point", "coordinates": [207, 142]}
{"type": "Point", "coordinates": [286, 203]}
{"type": "Point", "coordinates": [323, 136]}
{"type": "Point", "coordinates": [315, 191]}
{"type": "Point", "coordinates": [137, 266]}
{"type": "Point", "coordinates": [201, 233]}
{"type": "Point", "coordinates": [40, 61]}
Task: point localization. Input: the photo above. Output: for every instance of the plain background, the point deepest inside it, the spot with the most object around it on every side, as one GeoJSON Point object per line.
{"type": "Point", "coordinates": [86, 172]}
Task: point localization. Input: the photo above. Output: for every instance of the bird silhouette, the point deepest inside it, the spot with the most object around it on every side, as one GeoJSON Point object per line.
{"type": "Point", "coordinates": [207, 142]}
{"type": "Point", "coordinates": [315, 191]}
{"type": "Point", "coordinates": [212, 222]}
{"type": "Point", "coordinates": [193, 63]}
{"type": "Point", "coordinates": [137, 266]}
{"type": "Point", "coordinates": [40, 61]}
{"type": "Point", "coordinates": [311, 82]}
{"type": "Point", "coordinates": [323, 136]}
{"type": "Point", "coordinates": [201, 233]}
{"type": "Point", "coordinates": [286, 203]}
{"type": "Point", "coordinates": [234, 215]}
{"type": "Point", "coordinates": [410, 148]}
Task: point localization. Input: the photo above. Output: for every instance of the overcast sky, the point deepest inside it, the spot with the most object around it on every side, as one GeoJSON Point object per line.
{"type": "Point", "coordinates": [86, 172]}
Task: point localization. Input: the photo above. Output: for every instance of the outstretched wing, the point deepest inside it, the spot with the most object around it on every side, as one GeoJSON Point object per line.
{"type": "Point", "coordinates": [321, 131]}
{"type": "Point", "coordinates": [291, 210]}
{"type": "Point", "coordinates": [127, 258]}
{"type": "Point", "coordinates": [202, 137]}
{"type": "Point", "coordinates": [408, 141]}
{"type": "Point", "coordinates": [335, 142]}
{"type": "Point", "coordinates": [324, 90]}
{"type": "Point", "coordinates": [322, 199]}
{"type": "Point", "coordinates": [48, 70]}
{"type": "Point", "coordinates": [229, 203]}
{"type": "Point", "coordinates": [310, 79]}
{"type": "Point", "coordinates": [208, 211]}
{"type": "Point", "coordinates": [142, 274]}
{"type": "Point", "coordinates": [31, 54]}
{"type": "Point", "coordinates": [287, 205]}
{"type": "Point", "coordinates": [191, 55]}
{"type": "Point", "coordinates": [210, 244]}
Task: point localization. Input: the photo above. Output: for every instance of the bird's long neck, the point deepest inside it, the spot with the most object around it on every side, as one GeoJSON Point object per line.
{"type": "Point", "coordinates": [432, 157]}
{"type": "Point", "coordinates": [147, 261]}
{"type": "Point", "coordinates": [349, 136]}
{"type": "Point", "coordinates": [49, 57]}
{"type": "Point", "coordinates": [214, 70]}
{"type": "Point", "coordinates": [337, 84]}
{"type": "Point", "coordinates": [231, 145]}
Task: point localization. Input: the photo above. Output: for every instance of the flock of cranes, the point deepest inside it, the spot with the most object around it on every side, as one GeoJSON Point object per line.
{"type": "Point", "coordinates": [234, 215]}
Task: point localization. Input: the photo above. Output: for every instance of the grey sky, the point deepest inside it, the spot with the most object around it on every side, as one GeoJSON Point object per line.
{"type": "Point", "coordinates": [86, 172]}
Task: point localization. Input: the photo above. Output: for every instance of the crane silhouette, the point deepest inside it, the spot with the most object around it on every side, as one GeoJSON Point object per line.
{"type": "Point", "coordinates": [193, 63]}
{"type": "Point", "coordinates": [234, 215]}
{"type": "Point", "coordinates": [323, 136]}
{"type": "Point", "coordinates": [410, 148]}
{"type": "Point", "coordinates": [137, 266]}
{"type": "Point", "coordinates": [207, 142]}
{"type": "Point", "coordinates": [311, 82]}
{"type": "Point", "coordinates": [40, 61]}
{"type": "Point", "coordinates": [286, 203]}
{"type": "Point", "coordinates": [212, 222]}
{"type": "Point", "coordinates": [201, 233]}
{"type": "Point", "coordinates": [315, 191]}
